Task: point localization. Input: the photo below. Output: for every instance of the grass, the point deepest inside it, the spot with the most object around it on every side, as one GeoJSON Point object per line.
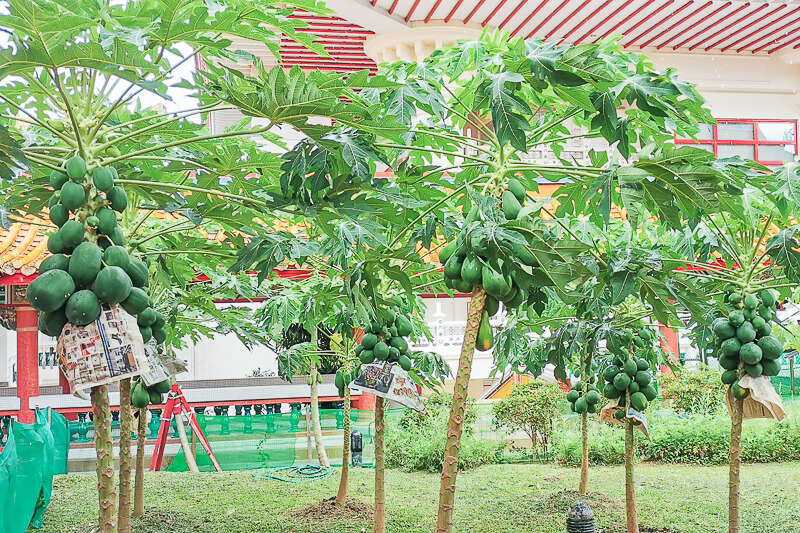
{"type": "Point", "coordinates": [489, 499]}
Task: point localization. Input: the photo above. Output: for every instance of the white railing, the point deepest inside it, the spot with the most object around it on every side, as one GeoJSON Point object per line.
{"type": "Point", "coordinates": [450, 332]}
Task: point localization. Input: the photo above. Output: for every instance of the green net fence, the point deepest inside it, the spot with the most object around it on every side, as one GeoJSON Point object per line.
{"type": "Point", "coordinates": [33, 454]}
{"type": "Point", "coordinates": [274, 440]}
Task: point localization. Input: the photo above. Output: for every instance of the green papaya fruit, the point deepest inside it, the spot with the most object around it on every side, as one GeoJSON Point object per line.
{"type": "Point", "coordinates": [452, 269]}
{"type": "Point", "coordinates": [494, 283]}
{"type": "Point", "coordinates": [447, 251]}
{"type": "Point", "coordinates": [404, 327]}
{"type": "Point", "coordinates": [485, 338]}
{"type": "Point", "coordinates": [471, 270]}
{"type": "Point", "coordinates": [491, 305]}
{"type": "Point", "coordinates": [76, 168]}
{"type": "Point", "coordinates": [517, 189]}
{"type": "Point", "coordinates": [511, 206]}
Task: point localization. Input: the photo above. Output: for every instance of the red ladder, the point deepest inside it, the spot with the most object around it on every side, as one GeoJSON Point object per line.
{"type": "Point", "coordinates": [177, 404]}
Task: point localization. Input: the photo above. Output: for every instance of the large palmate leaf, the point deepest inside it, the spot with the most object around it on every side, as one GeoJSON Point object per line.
{"type": "Point", "coordinates": [294, 97]}
{"type": "Point", "coordinates": [12, 158]}
{"type": "Point", "coordinates": [784, 249]}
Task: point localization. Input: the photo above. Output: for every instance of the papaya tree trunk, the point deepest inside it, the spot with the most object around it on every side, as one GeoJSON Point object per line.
{"type": "Point", "coordinates": [631, 519]}
{"type": "Point", "coordinates": [583, 487]}
{"type": "Point", "coordinates": [341, 496]}
{"type": "Point", "coordinates": [734, 483]}
{"type": "Point", "coordinates": [138, 491]}
{"type": "Point", "coordinates": [380, 468]}
{"type": "Point", "coordinates": [447, 490]}
{"type": "Point", "coordinates": [125, 461]}
{"type": "Point", "coordinates": [316, 424]}
{"type": "Point", "coordinates": [104, 446]}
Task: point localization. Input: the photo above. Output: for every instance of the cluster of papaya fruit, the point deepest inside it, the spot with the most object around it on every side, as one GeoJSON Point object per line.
{"type": "Point", "coordinates": [584, 403]}
{"type": "Point", "coordinates": [744, 340]}
{"type": "Point", "coordinates": [90, 265]}
{"type": "Point", "coordinates": [627, 377]}
{"type": "Point", "coordinates": [385, 340]}
{"type": "Point", "coordinates": [475, 258]}
{"type": "Point", "coordinates": [342, 379]}
{"type": "Point", "coordinates": [142, 395]}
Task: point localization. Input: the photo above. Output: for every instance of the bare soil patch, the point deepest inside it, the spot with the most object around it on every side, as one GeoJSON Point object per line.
{"type": "Point", "coordinates": [353, 509]}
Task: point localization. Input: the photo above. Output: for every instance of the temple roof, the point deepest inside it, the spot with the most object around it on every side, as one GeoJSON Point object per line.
{"type": "Point", "coordinates": [23, 247]}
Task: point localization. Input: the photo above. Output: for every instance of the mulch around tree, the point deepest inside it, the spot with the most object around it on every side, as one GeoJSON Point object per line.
{"type": "Point", "coordinates": [353, 509]}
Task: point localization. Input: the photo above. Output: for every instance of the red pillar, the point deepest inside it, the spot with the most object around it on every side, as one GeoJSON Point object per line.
{"type": "Point", "coordinates": [365, 402]}
{"type": "Point", "coordinates": [670, 344]}
{"type": "Point", "coordinates": [27, 361]}
{"type": "Point", "coordinates": [63, 383]}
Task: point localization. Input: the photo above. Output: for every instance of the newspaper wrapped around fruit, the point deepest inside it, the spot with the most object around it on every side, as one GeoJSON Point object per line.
{"type": "Point", "coordinates": [104, 351]}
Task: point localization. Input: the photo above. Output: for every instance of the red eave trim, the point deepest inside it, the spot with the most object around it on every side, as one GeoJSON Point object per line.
{"type": "Point", "coordinates": [770, 34]}
{"type": "Point", "coordinates": [586, 19]}
{"type": "Point", "coordinates": [513, 13]}
{"type": "Point", "coordinates": [609, 17]}
{"type": "Point", "coordinates": [411, 11]}
{"type": "Point", "coordinates": [493, 13]}
{"type": "Point", "coordinates": [745, 28]}
{"type": "Point", "coordinates": [453, 11]}
{"type": "Point", "coordinates": [567, 19]}
{"type": "Point", "coordinates": [731, 25]}
{"type": "Point", "coordinates": [344, 52]}
{"type": "Point", "coordinates": [528, 19]}
{"type": "Point", "coordinates": [548, 18]}
{"type": "Point", "coordinates": [684, 19]}
{"type": "Point", "coordinates": [658, 23]}
{"type": "Point", "coordinates": [474, 10]}
{"type": "Point", "coordinates": [693, 26]}
{"type": "Point", "coordinates": [430, 13]}
{"type": "Point", "coordinates": [713, 24]}
{"type": "Point", "coordinates": [784, 45]}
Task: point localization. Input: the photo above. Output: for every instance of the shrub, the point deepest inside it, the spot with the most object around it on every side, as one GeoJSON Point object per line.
{"type": "Point", "coordinates": [436, 405]}
{"type": "Point", "coordinates": [694, 391]}
{"type": "Point", "coordinates": [606, 446]}
{"type": "Point", "coordinates": [686, 439]}
{"type": "Point", "coordinates": [531, 407]}
{"type": "Point", "coordinates": [695, 439]}
{"type": "Point", "coordinates": [416, 441]}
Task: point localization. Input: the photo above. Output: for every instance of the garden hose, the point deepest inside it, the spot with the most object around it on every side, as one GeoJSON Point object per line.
{"type": "Point", "coordinates": [294, 474]}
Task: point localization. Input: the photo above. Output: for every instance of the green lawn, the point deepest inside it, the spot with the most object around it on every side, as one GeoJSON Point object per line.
{"type": "Point", "coordinates": [490, 499]}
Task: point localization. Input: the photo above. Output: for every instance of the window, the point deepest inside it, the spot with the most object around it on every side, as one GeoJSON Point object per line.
{"type": "Point", "coordinates": [769, 142]}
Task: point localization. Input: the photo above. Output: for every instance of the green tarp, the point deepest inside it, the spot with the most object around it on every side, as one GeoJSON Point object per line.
{"type": "Point", "coordinates": [33, 454]}
{"type": "Point", "coordinates": [273, 440]}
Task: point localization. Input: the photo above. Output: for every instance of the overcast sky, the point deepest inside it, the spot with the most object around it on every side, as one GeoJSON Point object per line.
{"type": "Point", "coordinates": [181, 98]}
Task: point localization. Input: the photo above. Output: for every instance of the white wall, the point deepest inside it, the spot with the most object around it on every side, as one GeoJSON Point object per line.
{"type": "Point", "coordinates": [226, 357]}
{"type": "Point", "coordinates": [740, 86]}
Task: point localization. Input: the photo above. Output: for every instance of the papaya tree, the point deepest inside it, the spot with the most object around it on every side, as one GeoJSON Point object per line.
{"type": "Point", "coordinates": [347, 300]}
{"type": "Point", "coordinates": [188, 275]}
{"type": "Point", "coordinates": [81, 92]}
{"type": "Point", "coordinates": [487, 103]}
{"type": "Point", "coordinates": [610, 313]}
{"type": "Point", "coordinates": [741, 262]}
